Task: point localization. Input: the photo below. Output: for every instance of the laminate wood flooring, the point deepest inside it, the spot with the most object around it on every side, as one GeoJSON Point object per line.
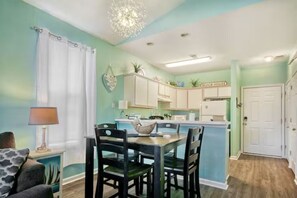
{"type": "Point", "coordinates": [249, 177]}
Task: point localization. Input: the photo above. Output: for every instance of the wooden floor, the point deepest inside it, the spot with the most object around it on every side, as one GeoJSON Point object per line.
{"type": "Point", "coordinates": [249, 177]}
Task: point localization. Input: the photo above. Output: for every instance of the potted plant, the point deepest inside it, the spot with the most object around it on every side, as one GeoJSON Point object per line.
{"type": "Point", "coordinates": [137, 67]}
{"type": "Point", "coordinates": [195, 83]}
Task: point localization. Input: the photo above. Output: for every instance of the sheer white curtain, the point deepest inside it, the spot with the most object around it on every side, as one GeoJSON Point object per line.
{"type": "Point", "coordinates": [66, 78]}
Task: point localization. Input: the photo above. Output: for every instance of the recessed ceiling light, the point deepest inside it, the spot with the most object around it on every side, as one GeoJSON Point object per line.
{"type": "Point", "coordinates": [268, 58]}
{"type": "Point", "coordinates": [149, 44]}
{"type": "Point", "coordinates": [189, 62]}
{"type": "Point", "coordinates": [184, 34]}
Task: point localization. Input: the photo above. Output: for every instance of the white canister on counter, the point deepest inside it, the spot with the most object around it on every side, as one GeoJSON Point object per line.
{"type": "Point", "coordinates": [192, 116]}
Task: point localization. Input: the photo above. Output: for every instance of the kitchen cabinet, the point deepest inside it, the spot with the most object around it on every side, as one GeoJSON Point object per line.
{"type": "Point", "coordinates": [224, 92]}
{"type": "Point", "coordinates": [194, 98]}
{"type": "Point", "coordinates": [181, 99]}
{"type": "Point", "coordinates": [172, 97]}
{"type": "Point", "coordinates": [140, 91]}
{"type": "Point", "coordinates": [152, 94]}
{"type": "Point", "coordinates": [217, 92]}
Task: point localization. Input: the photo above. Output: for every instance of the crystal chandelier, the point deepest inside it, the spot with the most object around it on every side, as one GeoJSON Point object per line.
{"type": "Point", "coordinates": [127, 17]}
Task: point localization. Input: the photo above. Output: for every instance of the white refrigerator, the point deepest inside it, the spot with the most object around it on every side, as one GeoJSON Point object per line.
{"type": "Point", "coordinates": [215, 110]}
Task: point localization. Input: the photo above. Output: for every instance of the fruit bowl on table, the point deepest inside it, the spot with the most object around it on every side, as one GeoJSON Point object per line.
{"type": "Point", "coordinates": [143, 130]}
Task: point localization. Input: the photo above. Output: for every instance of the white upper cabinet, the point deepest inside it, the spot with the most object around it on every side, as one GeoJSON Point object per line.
{"type": "Point", "coordinates": [210, 92]}
{"type": "Point", "coordinates": [217, 92]}
{"type": "Point", "coordinates": [172, 97]}
{"type": "Point", "coordinates": [152, 100]}
{"type": "Point", "coordinates": [140, 91]}
{"type": "Point", "coordinates": [224, 92]}
{"type": "Point", "coordinates": [181, 99]}
{"type": "Point", "coordinates": [194, 98]}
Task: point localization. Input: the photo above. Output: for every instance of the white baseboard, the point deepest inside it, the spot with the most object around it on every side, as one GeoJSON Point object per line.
{"type": "Point", "coordinates": [76, 177]}
{"type": "Point", "coordinates": [232, 157]}
{"type": "Point", "coordinates": [211, 183]}
{"type": "Point", "coordinates": [215, 184]}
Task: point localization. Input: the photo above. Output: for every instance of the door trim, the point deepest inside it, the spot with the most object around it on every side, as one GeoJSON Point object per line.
{"type": "Point", "coordinates": [283, 141]}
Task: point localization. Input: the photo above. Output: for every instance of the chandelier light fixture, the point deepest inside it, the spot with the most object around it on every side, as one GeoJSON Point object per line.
{"type": "Point", "coordinates": [127, 17]}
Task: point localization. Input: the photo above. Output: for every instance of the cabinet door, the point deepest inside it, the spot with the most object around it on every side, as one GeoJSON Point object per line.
{"type": "Point", "coordinates": [210, 92]}
{"type": "Point", "coordinates": [167, 91]}
{"type": "Point", "coordinates": [172, 96]}
{"type": "Point", "coordinates": [181, 99]}
{"type": "Point", "coordinates": [161, 89]}
{"type": "Point", "coordinates": [194, 98]}
{"type": "Point", "coordinates": [224, 92]}
{"type": "Point", "coordinates": [152, 100]}
{"type": "Point", "coordinates": [141, 86]}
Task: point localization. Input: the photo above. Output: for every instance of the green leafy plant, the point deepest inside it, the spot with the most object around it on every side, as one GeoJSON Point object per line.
{"type": "Point", "coordinates": [195, 83]}
{"type": "Point", "coordinates": [172, 83]}
{"type": "Point", "coordinates": [137, 67]}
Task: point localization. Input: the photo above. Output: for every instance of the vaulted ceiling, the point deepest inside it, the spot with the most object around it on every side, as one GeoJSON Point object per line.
{"type": "Point", "coordinates": [226, 30]}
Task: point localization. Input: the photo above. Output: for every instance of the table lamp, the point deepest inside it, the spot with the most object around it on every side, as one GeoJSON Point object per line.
{"type": "Point", "coordinates": [43, 116]}
{"type": "Point", "coordinates": [123, 104]}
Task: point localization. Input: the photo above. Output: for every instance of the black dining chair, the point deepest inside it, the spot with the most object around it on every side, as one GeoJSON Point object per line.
{"type": "Point", "coordinates": [122, 171]}
{"type": "Point", "coordinates": [131, 155]}
{"type": "Point", "coordinates": [161, 127]}
{"type": "Point", "coordinates": [187, 167]}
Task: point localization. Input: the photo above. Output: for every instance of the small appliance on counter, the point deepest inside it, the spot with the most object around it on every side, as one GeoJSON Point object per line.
{"type": "Point", "coordinates": [179, 117]}
{"type": "Point", "coordinates": [192, 116]}
{"type": "Point", "coordinates": [156, 117]}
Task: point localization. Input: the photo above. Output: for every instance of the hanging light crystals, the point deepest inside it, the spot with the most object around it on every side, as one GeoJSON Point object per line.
{"type": "Point", "coordinates": [127, 17]}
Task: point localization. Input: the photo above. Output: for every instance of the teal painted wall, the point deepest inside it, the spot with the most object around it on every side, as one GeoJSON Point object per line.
{"type": "Point", "coordinates": [261, 75]}
{"type": "Point", "coordinates": [18, 70]}
{"type": "Point", "coordinates": [234, 111]}
{"type": "Point", "coordinates": [211, 76]}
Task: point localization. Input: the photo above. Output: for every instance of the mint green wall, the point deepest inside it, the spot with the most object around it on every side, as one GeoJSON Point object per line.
{"type": "Point", "coordinates": [261, 75]}
{"type": "Point", "coordinates": [210, 76]}
{"type": "Point", "coordinates": [234, 111]}
{"type": "Point", "coordinates": [17, 68]}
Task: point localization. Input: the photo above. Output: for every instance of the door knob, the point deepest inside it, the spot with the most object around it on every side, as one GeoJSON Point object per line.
{"type": "Point", "coordinates": [293, 129]}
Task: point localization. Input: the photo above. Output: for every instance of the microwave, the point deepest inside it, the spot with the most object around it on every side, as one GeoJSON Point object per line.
{"type": "Point", "coordinates": [179, 117]}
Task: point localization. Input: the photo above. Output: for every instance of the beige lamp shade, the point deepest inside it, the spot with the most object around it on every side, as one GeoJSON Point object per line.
{"type": "Point", "coordinates": [123, 104]}
{"type": "Point", "coordinates": [43, 116]}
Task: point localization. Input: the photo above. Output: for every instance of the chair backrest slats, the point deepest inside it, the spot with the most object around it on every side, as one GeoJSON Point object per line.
{"type": "Point", "coordinates": [107, 125]}
{"type": "Point", "coordinates": [112, 148]}
{"type": "Point", "coordinates": [115, 142]}
{"type": "Point", "coordinates": [195, 144]}
{"type": "Point", "coordinates": [193, 158]}
{"type": "Point", "coordinates": [193, 148]}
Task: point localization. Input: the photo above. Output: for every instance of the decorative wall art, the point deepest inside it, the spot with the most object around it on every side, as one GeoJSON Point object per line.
{"type": "Point", "coordinates": [109, 79]}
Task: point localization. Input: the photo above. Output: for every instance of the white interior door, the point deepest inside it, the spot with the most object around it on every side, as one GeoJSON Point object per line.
{"type": "Point", "coordinates": [262, 126]}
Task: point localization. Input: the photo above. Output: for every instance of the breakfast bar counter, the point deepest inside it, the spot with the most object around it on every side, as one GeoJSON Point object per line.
{"type": "Point", "coordinates": [214, 159]}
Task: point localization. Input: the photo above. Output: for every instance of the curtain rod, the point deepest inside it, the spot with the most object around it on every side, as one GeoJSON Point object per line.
{"type": "Point", "coordinates": [38, 29]}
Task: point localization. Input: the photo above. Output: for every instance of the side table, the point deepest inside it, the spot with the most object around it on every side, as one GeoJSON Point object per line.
{"type": "Point", "coordinates": [53, 162]}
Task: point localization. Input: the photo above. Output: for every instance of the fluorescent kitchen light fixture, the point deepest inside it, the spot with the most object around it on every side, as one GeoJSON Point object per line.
{"type": "Point", "coordinates": [189, 62]}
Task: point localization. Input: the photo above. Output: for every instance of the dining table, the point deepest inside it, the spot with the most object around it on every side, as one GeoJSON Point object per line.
{"type": "Point", "coordinates": [155, 144]}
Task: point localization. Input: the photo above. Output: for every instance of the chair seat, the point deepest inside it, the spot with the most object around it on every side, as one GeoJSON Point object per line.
{"type": "Point", "coordinates": [135, 170]}
{"type": "Point", "coordinates": [173, 162]}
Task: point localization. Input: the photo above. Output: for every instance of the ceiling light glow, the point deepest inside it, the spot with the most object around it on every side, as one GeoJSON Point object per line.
{"type": "Point", "coordinates": [189, 62]}
{"type": "Point", "coordinates": [268, 58]}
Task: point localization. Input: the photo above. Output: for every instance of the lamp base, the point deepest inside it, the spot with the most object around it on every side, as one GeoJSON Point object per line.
{"type": "Point", "coordinates": [42, 149]}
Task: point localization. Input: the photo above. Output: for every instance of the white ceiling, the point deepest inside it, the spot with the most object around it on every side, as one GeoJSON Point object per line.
{"type": "Point", "coordinates": [246, 34]}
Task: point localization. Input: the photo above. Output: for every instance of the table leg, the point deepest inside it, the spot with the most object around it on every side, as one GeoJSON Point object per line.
{"type": "Point", "coordinates": [159, 172]}
{"type": "Point", "coordinates": [89, 171]}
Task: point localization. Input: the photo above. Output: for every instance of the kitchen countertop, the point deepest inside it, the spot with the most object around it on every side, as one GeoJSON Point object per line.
{"type": "Point", "coordinates": [183, 122]}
